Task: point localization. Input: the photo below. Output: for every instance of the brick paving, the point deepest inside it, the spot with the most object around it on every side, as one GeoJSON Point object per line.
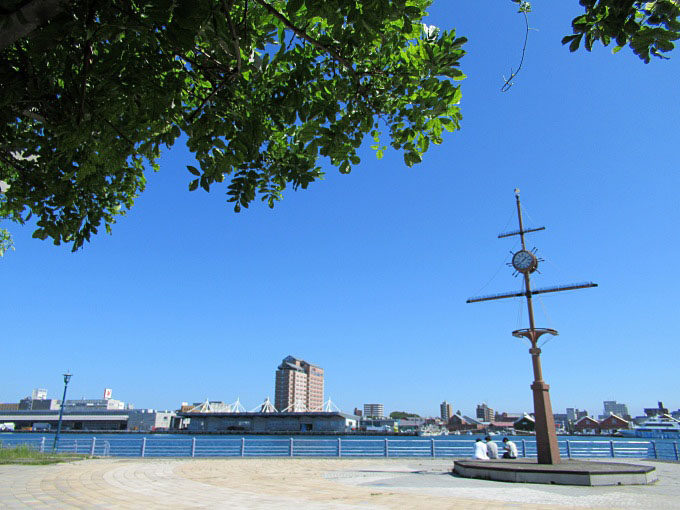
{"type": "Point", "coordinates": [302, 484]}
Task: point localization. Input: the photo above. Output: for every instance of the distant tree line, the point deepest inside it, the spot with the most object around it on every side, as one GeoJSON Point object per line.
{"type": "Point", "coordinates": [402, 415]}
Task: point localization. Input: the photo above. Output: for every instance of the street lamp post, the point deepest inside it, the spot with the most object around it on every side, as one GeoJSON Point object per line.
{"type": "Point", "coordinates": [67, 378]}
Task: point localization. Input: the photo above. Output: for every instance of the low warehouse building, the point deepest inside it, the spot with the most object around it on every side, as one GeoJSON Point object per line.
{"type": "Point", "coordinates": [47, 420]}
{"type": "Point", "coordinates": [323, 422]}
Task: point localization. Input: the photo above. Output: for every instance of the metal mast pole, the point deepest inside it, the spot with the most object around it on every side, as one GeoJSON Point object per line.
{"type": "Point", "coordinates": [526, 262]}
{"type": "Point", "coordinates": [548, 450]}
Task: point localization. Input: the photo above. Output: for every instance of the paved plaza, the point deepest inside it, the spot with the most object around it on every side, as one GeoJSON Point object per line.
{"type": "Point", "coordinates": [304, 484]}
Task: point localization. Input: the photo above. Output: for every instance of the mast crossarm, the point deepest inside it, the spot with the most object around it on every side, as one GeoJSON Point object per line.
{"type": "Point", "coordinates": [496, 296]}
{"type": "Point", "coordinates": [518, 232]}
{"type": "Point", "coordinates": [543, 290]}
{"type": "Point", "coordinates": [572, 286]}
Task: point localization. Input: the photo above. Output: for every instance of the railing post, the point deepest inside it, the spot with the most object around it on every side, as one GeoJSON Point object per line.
{"type": "Point", "coordinates": [143, 446]}
{"type": "Point", "coordinates": [193, 447]}
{"type": "Point", "coordinates": [568, 450]}
{"type": "Point", "coordinates": [243, 447]}
{"type": "Point", "coordinates": [675, 448]}
{"type": "Point", "coordinates": [42, 445]}
{"type": "Point", "coordinates": [290, 448]}
{"type": "Point", "coordinates": [611, 448]}
{"type": "Point", "coordinates": [524, 448]}
{"type": "Point", "coordinates": [76, 443]}
{"type": "Point", "coordinates": [339, 447]}
{"type": "Point", "coordinates": [387, 447]}
{"type": "Point", "coordinates": [656, 456]}
{"type": "Point", "coordinates": [94, 442]}
{"type": "Point", "coordinates": [432, 447]}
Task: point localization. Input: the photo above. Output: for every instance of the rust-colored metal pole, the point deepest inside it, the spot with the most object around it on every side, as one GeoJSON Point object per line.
{"type": "Point", "coordinates": [546, 437]}
{"type": "Point", "coordinates": [548, 450]}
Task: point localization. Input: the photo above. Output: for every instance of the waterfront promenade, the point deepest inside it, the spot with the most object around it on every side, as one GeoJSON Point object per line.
{"type": "Point", "coordinates": [304, 484]}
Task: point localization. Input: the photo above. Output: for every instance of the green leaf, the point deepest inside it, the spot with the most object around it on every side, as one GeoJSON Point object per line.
{"type": "Point", "coordinates": [205, 183]}
{"type": "Point", "coordinates": [575, 43]}
{"type": "Point", "coordinates": [193, 170]}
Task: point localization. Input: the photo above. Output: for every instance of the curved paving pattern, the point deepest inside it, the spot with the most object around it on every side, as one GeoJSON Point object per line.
{"type": "Point", "coordinates": [308, 484]}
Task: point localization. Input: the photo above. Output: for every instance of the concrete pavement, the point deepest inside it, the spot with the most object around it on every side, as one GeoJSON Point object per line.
{"type": "Point", "coordinates": [333, 484]}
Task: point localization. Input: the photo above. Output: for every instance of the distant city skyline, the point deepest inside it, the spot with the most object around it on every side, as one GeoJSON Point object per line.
{"type": "Point", "coordinates": [481, 411]}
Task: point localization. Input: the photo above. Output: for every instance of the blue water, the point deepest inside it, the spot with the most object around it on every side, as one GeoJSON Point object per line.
{"type": "Point", "coordinates": [184, 445]}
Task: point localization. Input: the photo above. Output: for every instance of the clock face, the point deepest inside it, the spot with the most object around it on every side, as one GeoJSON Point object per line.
{"type": "Point", "coordinates": [524, 261]}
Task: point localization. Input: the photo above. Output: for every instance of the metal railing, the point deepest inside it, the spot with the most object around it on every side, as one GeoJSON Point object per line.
{"type": "Point", "coordinates": [334, 447]}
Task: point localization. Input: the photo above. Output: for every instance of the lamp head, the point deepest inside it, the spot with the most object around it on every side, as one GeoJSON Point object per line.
{"type": "Point", "coordinates": [67, 377]}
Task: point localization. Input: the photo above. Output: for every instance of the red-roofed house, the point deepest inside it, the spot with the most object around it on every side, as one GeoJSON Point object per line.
{"type": "Point", "coordinates": [459, 422]}
{"type": "Point", "coordinates": [587, 425]}
{"type": "Point", "coordinates": [613, 423]}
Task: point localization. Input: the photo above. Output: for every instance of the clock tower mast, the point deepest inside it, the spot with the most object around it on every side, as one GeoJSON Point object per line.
{"type": "Point", "coordinates": [525, 262]}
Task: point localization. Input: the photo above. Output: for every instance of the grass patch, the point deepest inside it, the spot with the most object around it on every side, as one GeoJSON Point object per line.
{"type": "Point", "coordinates": [24, 454]}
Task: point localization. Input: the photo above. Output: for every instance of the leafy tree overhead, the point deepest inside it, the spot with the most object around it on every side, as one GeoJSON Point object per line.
{"type": "Point", "coordinates": [649, 28]}
{"type": "Point", "coordinates": [262, 89]}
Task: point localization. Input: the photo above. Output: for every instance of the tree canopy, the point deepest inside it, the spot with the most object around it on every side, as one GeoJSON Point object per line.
{"type": "Point", "coordinates": [262, 90]}
{"type": "Point", "coordinates": [402, 415]}
{"type": "Point", "coordinates": [648, 28]}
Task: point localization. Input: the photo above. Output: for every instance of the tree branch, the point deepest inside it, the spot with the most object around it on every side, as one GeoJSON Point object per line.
{"type": "Point", "coordinates": [119, 132]}
{"type": "Point", "coordinates": [87, 60]}
{"type": "Point", "coordinates": [508, 83]}
{"type": "Point", "coordinates": [234, 36]}
{"type": "Point", "coordinates": [27, 19]}
{"type": "Point", "coordinates": [198, 110]}
{"type": "Point", "coordinates": [303, 35]}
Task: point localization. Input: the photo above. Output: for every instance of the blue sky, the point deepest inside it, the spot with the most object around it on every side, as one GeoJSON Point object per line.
{"type": "Point", "coordinates": [367, 274]}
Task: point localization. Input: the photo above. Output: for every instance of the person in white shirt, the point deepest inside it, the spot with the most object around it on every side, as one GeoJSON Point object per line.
{"type": "Point", "coordinates": [480, 450]}
{"type": "Point", "coordinates": [491, 448]}
{"type": "Point", "coordinates": [510, 449]}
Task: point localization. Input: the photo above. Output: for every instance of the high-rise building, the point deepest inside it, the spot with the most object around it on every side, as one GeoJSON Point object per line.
{"type": "Point", "coordinates": [575, 414]}
{"type": "Point", "coordinates": [445, 411]}
{"type": "Point", "coordinates": [613, 407]}
{"type": "Point", "coordinates": [374, 410]}
{"type": "Point", "coordinates": [485, 413]}
{"type": "Point", "coordinates": [299, 386]}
